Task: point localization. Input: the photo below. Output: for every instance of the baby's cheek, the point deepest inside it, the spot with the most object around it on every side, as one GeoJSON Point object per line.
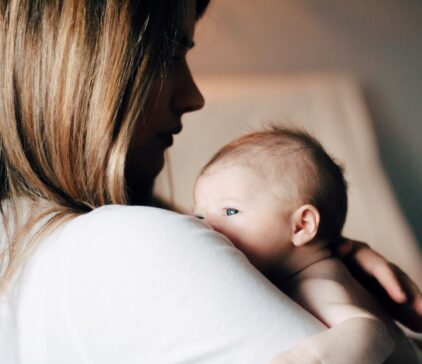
{"type": "Point", "coordinates": [238, 236]}
{"type": "Point", "coordinates": [268, 246]}
{"type": "Point", "coordinates": [253, 246]}
{"type": "Point", "coordinates": [248, 238]}
{"type": "Point", "coordinates": [234, 235]}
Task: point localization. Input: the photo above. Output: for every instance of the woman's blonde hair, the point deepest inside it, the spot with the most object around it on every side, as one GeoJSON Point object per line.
{"type": "Point", "coordinates": [74, 77]}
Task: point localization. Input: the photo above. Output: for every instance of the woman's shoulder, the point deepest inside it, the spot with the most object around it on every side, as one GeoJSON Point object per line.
{"type": "Point", "coordinates": [112, 243]}
{"type": "Point", "coordinates": [112, 240]}
{"type": "Point", "coordinates": [122, 275]}
{"type": "Point", "coordinates": [128, 214]}
{"type": "Point", "coordinates": [139, 230]}
{"type": "Point", "coordinates": [136, 221]}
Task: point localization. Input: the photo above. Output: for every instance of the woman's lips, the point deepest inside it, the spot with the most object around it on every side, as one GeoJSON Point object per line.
{"type": "Point", "coordinates": [167, 137]}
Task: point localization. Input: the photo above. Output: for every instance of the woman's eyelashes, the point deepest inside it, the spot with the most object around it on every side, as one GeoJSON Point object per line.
{"type": "Point", "coordinates": [230, 211]}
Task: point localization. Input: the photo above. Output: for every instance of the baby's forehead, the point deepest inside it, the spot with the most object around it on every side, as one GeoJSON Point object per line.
{"type": "Point", "coordinates": [231, 168]}
{"type": "Point", "coordinates": [244, 170]}
{"type": "Point", "coordinates": [229, 180]}
{"type": "Point", "coordinates": [284, 171]}
{"type": "Point", "coordinates": [260, 161]}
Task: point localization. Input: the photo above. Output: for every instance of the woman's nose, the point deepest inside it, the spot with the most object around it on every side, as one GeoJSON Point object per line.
{"type": "Point", "coordinates": [187, 97]}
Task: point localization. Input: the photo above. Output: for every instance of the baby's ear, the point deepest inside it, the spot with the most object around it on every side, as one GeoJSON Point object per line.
{"type": "Point", "coordinates": [305, 222]}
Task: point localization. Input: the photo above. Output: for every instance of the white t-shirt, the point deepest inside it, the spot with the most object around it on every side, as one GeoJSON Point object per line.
{"type": "Point", "coordinates": [143, 285]}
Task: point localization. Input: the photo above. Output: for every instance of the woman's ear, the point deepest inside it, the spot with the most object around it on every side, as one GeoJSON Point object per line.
{"type": "Point", "coordinates": [305, 222]}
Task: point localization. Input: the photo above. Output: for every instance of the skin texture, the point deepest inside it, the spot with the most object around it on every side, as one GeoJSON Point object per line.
{"type": "Point", "coordinates": [231, 200]}
{"type": "Point", "coordinates": [278, 235]}
{"type": "Point", "coordinates": [398, 293]}
{"type": "Point", "coordinates": [263, 223]}
{"type": "Point", "coordinates": [178, 94]}
{"type": "Point", "coordinates": [169, 100]}
{"type": "Point", "coordinates": [328, 291]}
{"type": "Point", "coordinates": [170, 97]}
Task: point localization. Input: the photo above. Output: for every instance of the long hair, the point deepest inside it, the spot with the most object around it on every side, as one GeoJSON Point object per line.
{"type": "Point", "coordinates": [74, 76]}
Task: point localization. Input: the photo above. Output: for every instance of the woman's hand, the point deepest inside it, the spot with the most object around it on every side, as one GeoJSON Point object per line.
{"type": "Point", "coordinates": [388, 283]}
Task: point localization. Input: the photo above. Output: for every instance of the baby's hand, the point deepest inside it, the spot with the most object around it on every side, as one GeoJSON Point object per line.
{"type": "Point", "coordinates": [394, 289]}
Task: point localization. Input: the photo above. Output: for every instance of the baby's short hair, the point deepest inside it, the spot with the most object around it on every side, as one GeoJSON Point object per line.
{"type": "Point", "coordinates": [317, 177]}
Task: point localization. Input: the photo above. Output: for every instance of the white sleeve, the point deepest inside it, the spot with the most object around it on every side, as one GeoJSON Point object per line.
{"type": "Point", "coordinates": [144, 285]}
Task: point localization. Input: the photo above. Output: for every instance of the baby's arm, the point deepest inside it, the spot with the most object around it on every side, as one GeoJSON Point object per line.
{"type": "Point", "coordinates": [358, 340]}
{"type": "Point", "coordinates": [355, 336]}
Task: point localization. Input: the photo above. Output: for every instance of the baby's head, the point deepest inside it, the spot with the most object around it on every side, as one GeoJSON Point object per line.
{"type": "Point", "coordinates": [270, 191]}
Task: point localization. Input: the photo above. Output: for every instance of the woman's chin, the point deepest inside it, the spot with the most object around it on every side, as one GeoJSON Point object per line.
{"type": "Point", "coordinates": [144, 165]}
{"type": "Point", "coordinates": [140, 176]}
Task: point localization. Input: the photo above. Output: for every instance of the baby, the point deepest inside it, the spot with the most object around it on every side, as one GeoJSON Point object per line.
{"type": "Point", "coordinates": [282, 200]}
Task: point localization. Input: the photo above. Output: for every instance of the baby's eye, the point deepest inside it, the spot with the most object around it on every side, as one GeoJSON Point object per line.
{"type": "Point", "coordinates": [199, 217]}
{"type": "Point", "coordinates": [230, 211]}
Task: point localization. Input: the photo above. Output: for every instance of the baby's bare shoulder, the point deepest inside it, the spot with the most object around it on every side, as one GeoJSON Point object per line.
{"type": "Point", "coordinates": [331, 269]}
{"type": "Point", "coordinates": [322, 282]}
{"type": "Point", "coordinates": [329, 291]}
{"type": "Point", "coordinates": [329, 281]}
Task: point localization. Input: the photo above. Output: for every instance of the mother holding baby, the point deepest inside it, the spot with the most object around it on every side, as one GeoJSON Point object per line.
{"type": "Point", "coordinates": [91, 93]}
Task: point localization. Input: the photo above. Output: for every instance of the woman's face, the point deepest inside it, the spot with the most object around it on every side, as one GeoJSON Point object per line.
{"type": "Point", "coordinates": [169, 99]}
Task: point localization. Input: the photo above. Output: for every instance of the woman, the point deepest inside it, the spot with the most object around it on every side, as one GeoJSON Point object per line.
{"type": "Point", "coordinates": [91, 94]}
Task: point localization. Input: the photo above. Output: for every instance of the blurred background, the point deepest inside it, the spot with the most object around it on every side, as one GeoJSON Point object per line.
{"type": "Point", "coordinates": [349, 71]}
{"type": "Point", "coordinates": [378, 41]}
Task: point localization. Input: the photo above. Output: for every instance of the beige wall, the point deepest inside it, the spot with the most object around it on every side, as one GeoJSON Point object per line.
{"type": "Point", "coordinates": [379, 41]}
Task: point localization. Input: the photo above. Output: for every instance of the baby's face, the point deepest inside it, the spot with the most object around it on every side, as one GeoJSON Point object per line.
{"type": "Point", "coordinates": [241, 204]}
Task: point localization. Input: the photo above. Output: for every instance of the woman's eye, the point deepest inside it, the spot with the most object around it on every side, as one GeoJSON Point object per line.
{"type": "Point", "coordinates": [231, 211]}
